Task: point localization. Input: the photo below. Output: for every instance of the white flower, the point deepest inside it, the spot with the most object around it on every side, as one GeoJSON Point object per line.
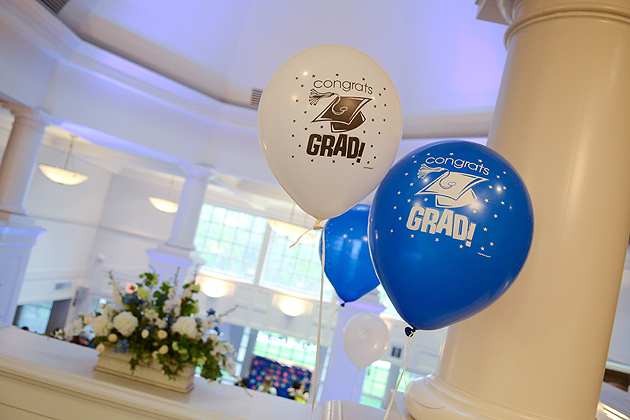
{"type": "Point", "coordinates": [109, 310]}
{"type": "Point", "coordinates": [222, 347]}
{"type": "Point", "coordinates": [112, 338]}
{"type": "Point", "coordinates": [160, 323]}
{"type": "Point", "coordinates": [125, 323]}
{"type": "Point", "coordinates": [100, 348]}
{"type": "Point", "coordinates": [161, 334]}
{"type": "Point", "coordinates": [101, 326]}
{"type": "Point", "coordinates": [186, 326]}
{"type": "Point", "coordinates": [174, 304]}
{"type": "Point", "coordinates": [151, 315]}
{"type": "Point", "coordinates": [74, 328]}
{"type": "Point", "coordinates": [163, 350]}
{"type": "Point", "coordinates": [230, 367]}
{"type": "Point", "coordinates": [117, 295]}
{"type": "Point", "coordinates": [206, 324]}
{"type": "Point", "coordinates": [144, 333]}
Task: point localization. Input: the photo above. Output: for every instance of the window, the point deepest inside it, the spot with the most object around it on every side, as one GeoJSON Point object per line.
{"type": "Point", "coordinates": [34, 316]}
{"type": "Point", "coordinates": [230, 241]}
{"type": "Point", "coordinates": [287, 350]}
{"type": "Point", "coordinates": [375, 384]}
{"type": "Point", "coordinates": [297, 269]}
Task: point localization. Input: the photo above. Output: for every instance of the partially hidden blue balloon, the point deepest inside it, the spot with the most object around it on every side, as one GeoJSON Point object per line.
{"type": "Point", "coordinates": [450, 228]}
{"type": "Point", "coordinates": [347, 261]}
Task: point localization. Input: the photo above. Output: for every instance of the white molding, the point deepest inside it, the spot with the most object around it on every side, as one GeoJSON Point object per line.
{"type": "Point", "coordinates": [46, 31]}
{"type": "Point", "coordinates": [51, 379]}
{"type": "Point", "coordinates": [39, 26]}
{"type": "Point", "coordinates": [68, 274]}
{"type": "Point", "coordinates": [490, 11]}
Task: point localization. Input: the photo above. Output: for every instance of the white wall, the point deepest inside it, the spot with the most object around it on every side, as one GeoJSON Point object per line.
{"type": "Point", "coordinates": [70, 215]}
{"type": "Point", "coordinates": [129, 225]}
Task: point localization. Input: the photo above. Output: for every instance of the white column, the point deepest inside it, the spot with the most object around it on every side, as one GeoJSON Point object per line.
{"type": "Point", "coordinates": [20, 157]}
{"type": "Point", "coordinates": [190, 203]}
{"type": "Point", "coordinates": [562, 120]}
{"type": "Point", "coordinates": [177, 253]}
{"type": "Point", "coordinates": [344, 380]}
{"type": "Point", "coordinates": [18, 232]}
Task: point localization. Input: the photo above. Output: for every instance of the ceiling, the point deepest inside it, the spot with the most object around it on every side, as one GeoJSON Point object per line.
{"type": "Point", "coordinates": [441, 58]}
{"type": "Point", "coordinates": [445, 63]}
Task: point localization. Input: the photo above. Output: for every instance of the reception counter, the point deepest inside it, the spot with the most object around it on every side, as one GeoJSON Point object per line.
{"type": "Point", "coordinates": [44, 378]}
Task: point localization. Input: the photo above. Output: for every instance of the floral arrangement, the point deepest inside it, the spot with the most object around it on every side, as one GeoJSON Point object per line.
{"type": "Point", "coordinates": [157, 321]}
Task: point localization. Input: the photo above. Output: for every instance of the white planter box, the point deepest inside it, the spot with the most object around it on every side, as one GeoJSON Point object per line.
{"type": "Point", "coordinates": [118, 364]}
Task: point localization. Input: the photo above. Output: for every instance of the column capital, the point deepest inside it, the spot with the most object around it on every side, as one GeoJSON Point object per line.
{"type": "Point", "coordinates": [36, 115]}
{"type": "Point", "coordinates": [199, 172]}
{"type": "Point", "coordinates": [508, 11]}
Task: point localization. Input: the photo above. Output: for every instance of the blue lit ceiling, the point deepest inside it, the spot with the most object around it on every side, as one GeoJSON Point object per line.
{"type": "Point", "coordinates": [441, 58]}
{"type": "Point", "coordinates": [172, 81]}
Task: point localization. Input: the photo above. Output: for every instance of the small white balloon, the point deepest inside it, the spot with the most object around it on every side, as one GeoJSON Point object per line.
{"type": "Point", "coordinates": [329, 125]}
{"type": "Point", "coordinates": [365, 338]}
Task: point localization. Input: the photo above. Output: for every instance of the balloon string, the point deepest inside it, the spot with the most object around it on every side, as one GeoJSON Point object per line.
{"type": "Point", "coordinates": [319, 322]}
{"type": "Point", "coordinates": [316, 226]}
{"type": "Point", "coordinates": [402, 374]}
{"type": "Point", "coordinates": [332, 356]}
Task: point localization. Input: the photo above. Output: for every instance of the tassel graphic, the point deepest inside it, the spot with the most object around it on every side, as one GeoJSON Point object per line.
{"type": "Point", "coordinates": [425, 170]}
{"type": "Point", "coordinates": [315, 96]}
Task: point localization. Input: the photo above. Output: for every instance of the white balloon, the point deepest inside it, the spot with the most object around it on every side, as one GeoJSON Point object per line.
{"type": "Point", "coordinates": [329, 124]}
{"type": "Point", "coordinates": [365, 338]}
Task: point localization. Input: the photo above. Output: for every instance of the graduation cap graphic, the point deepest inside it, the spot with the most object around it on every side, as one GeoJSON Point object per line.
{"type": "Point", "coordinates": [451, 189]}
{"type": "Point", "coordinates": [343, 112]}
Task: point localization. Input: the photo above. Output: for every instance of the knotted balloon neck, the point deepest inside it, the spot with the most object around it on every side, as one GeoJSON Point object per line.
{"type": "Point", "coordinates": [409, 331]}
{"type": "Point", "coordinates": [317, 226]}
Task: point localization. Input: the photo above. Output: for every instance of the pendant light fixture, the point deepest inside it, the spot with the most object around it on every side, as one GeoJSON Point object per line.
{"type": "Point", "coordinates": [63, 175]}
{"type": "Point", "coordinates": [165, 205]}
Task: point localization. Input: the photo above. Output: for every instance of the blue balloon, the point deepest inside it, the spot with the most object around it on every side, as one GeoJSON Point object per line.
{"type": "Point", "coordinates": [348, 264]}
{"type": "Point", "coordinates": [450, 228]}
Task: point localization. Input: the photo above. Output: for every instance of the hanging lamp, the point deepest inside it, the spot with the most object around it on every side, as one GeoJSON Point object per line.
{"type": "Point", "coordinates": [63, 175]}
{"type": "Point", "coordinates": [165, 205]}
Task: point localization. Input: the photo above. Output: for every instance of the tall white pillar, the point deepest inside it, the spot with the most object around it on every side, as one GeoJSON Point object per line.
{"type": "Point", "coordinates": [20, 157]}
{"type": "Point", "coordinates": [177, 253]}
{"type": "Point", "coordinates": [18, 232]}
{"type": "Point", "coordinates": [344, 380]}
{"type": "Point", "coordinates": [562, 119]}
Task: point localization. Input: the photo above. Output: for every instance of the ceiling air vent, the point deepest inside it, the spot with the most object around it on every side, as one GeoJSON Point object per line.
{"type": "Point", "coordinates": [65, 285]}
{"type": "Point", "coordinates": [54, 6]}
{"type": "Point", "coordinates": [396, 352]}
{"type": "Point", "coordinates": [255, 100]}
